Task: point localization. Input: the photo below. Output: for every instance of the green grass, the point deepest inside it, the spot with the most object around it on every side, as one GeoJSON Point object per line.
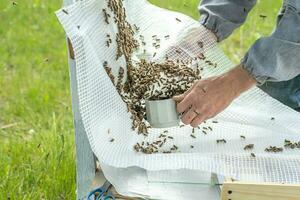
{"type": "Point", "coordinates": [37, 154]}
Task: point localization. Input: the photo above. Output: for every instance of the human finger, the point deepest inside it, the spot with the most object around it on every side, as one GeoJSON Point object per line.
{"type": "Point", "coordinates": [180, 97]}
{"type": "Point", "coordinates": [185, 104]}
{"type": "Point", "coordinates": [198, 120]}
{"type": "Point", "coordinates": [188, 116]}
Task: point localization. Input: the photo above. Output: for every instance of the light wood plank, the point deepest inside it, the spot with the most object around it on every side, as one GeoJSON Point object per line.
{"type": "Point", "coordinates": [259, 191]}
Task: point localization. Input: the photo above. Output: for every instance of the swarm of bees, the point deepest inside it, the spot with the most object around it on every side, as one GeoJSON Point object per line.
{"type": "Point", "coordinates": [145, 79]}
{"type": "Point", "coordinates": [154, 147]}
{"type": "Point", "coordinates": [142, 80]}
{"type": "Point", "coordinates": [274, 149]}
{"type": "Point", "coordinates": [291, 145]}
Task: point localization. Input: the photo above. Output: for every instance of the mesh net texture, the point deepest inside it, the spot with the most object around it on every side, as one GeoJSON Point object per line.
{"type": "Point", "coordinates": [262, 120]}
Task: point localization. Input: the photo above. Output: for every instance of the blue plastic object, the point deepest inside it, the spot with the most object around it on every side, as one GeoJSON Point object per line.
{"type": "Point", "coordinates": [103, 193]}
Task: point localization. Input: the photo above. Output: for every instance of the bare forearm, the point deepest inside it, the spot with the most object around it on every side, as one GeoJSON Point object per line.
{"type": "Point", "coordinates": [239, 79]}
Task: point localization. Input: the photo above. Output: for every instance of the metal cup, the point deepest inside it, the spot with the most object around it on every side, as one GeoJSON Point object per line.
{"type": "Point", "coordinates": [162, 113]}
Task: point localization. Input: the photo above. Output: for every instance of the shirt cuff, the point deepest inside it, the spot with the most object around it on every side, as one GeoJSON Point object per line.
{"type": "Point", "coordinates": [210, 23]}
{"type": "Point", "coordinates": [249, 65]}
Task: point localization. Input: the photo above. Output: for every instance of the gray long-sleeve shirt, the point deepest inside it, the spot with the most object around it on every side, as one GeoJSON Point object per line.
{"type": "Point", "coordinates": [275, 58]}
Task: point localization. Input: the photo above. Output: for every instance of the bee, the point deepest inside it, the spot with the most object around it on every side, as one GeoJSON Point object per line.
{"type": "Point", "coordinates": [106, 16]}
{"type": "Point", "coordinates": [166, 131]}
{"type": "Point", "coordinates": [279, 149]}
{"type": "Point", "coordinates": [253, 155]}
{"type": "Point", "coordinates": [105, 64]}
{"type": "Point", "coordinates": [210, 128]}
{"type": "Point", "coordinates": [112, 140]}
{"type": "Point", "coordinates": [200, 44]}
{"type": "Point", "coordinates": [272, 118]}
{"type": "Point", "coordinates": [243, 137]}
{"type": "Point", "coordinates": [170, 137]}
{"type": "Point", "coordinates": [137, 147]}
{"type": "Point", "coordinates": [274, 149]}
{"type": "Point", "coordinates": [267, 150]}
{"type": "Point", "coordinates": [215, 122]}
{"type": "Point", "coordinates": [193, 130]}
{"type": "Point", "coordinates": [287, 141]}
{"type": "Point", "coordinates": [192, 146]}
{"type": "Point", "coordinates": [78, 27]}
{"type": "Point", "coordinates": [154, 55]}
{"type": "Point", "coordinates": [161, 144]}
{"type": "Point", "coordinates": [65, 11]}
{"type": "Point", "coordinates": [222, 141]}
{"type": "Point", "coordinates": [262, 16]}
{"type": "Point", "coordinates": [205, 133]}
{"type": "Point", "coordinates": [201, 56]}
{"type": "Point", "coordinates": [193, 136]}
{"type": "Point", "coordinates": [181, 126]}
{"type": "Point", "coordinates": [165, 140]}
{"type": "Point", "coordinates": [178, 51]}
{"type": "Point", "coordinates": [108, 131]}
{"type": "Point", "coordinates": [178, 19]}
{"type": "Point", "coordinates": [136, 27]}
{"type": "Point", "coordinates": [288, 145]}
{"type": "Point", "coordinates": [167, 37]}
{"type": "Point", "coordinates": [249, 147]}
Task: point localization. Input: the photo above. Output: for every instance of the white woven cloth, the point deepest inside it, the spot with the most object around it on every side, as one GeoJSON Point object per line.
{"type": "Point", "coordinates": [102, 108]}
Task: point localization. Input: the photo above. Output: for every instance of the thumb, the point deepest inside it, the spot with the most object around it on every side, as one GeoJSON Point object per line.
{"type": "Point", "coordinates": [178, 98]}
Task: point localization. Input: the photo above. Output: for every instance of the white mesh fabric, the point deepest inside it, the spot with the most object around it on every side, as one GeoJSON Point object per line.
{"type": "Point", "coordinates": [102, 108]}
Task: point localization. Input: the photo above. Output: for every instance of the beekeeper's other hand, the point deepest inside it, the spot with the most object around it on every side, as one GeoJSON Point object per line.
{"type": "Point", "coordinates": [189, 44]}
{"type": "Point", "coordinates": [208, 97]}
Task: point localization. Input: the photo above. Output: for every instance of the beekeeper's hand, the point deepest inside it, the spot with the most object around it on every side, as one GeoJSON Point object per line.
{"type": "Point", "coordinates": [208, 97]}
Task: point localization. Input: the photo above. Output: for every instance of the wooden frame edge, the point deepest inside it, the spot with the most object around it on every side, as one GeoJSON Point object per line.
{"type": "Point", "coordinates": [259, 191]}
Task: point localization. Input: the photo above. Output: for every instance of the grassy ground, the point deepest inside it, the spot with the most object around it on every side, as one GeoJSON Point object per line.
{"type": "Point", "coordinates": [36, 130]}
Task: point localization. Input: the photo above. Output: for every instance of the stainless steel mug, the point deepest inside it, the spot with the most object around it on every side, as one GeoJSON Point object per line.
{"type": "Point", "coordinates": [162, 113]}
